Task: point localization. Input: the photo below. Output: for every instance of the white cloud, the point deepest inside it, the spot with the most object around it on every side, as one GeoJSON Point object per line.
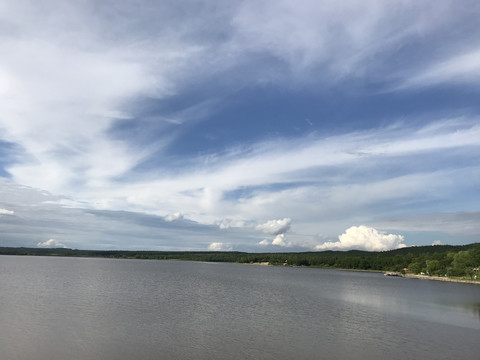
{"type": "Point", "coordinates": [437, 242]}
{"type": "Point", "coordinates": [364, 238]}
{"type": "Point", "coordinates": [88, 78]}
{"type": "Point", "coordinates": [275, 227]}
{"type": "Point", "coordinates": [52, 243]}
{"type": "Point", "coordinates": [280, 240]}
{"type": "Point", "coordinates": [6, 212]}
{"type": "Point", "coordinates": [219, 246]}
{"type": "Point", "coordinates": [173, 217]}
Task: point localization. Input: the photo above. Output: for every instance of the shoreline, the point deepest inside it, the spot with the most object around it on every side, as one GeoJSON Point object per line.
{"type": "Point", "coordinates": [411, 276]}
{"type": "Point", "coordinates": [440, 278]}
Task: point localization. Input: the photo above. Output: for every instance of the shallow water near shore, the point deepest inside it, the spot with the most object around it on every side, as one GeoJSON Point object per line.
{"type": "Point", "coordinates": [78, 308]}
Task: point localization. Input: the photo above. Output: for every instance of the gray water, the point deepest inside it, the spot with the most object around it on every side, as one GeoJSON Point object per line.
{"type": "Point", "coordinates": [75, 308]}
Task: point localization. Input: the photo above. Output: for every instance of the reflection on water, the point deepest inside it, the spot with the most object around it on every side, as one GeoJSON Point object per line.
{"type": "Point", "coordinates": [473, 308]}
{"type": "Point", "coordinates": [54, 308]}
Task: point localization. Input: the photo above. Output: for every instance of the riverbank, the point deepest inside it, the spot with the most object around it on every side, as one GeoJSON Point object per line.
{"type": "Point", "coordinates": [441, 278]}
{"type": "Point", "coordinates": [266, 263]}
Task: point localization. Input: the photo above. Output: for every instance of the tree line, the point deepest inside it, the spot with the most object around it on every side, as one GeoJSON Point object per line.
{"type": "Point", "coordinates": [440, 260]}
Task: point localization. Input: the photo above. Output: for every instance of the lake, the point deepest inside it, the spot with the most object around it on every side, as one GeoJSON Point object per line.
{"type": "Point", "coordinates": [78, 308]}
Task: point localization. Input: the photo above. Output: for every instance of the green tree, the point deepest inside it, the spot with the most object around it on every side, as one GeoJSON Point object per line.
{"type": "Point", "coordinates": [415, 268]}
{"type": "Point", "coordinates": [433, 267]}
{"type": "Point", "coordinates": [462, 264]}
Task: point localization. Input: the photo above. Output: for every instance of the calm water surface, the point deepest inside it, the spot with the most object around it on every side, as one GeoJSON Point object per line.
{"type": "Point", "coordinates": [74, 308]}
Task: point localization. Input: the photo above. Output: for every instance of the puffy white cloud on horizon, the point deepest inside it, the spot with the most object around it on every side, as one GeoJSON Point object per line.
{"type": "Point", "coordinates": [275, 227]}
{"type": "Point", "coordinates": [364, 238]}
{"type": "Point", "coordinates": [278, 228]}
{"type": "Point", "coordinates": [437, 242]}
{"type": "Point", "coordinates": [220, 246]}
{"type": "Point", "coordinates": [51, 243]}
{"type": "Point", "coordinates": [6, 212]}
{"type": "Point", "coordinates": [280, 240]}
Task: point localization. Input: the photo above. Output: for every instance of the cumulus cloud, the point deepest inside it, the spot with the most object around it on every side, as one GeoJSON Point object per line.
{"type": "Point", "coordinates": [437, 242]}
{"type": "Point", "coordinates": [279, 240]}
{"type": "Point", "coordinates": [219, 246]}
{"type": "Point", "coordinates": [51, 243]}
{"type": "Point", "coordinates": [364, 238]}
{"type": "Point", "coordinates": [275, 227]}
{"type": "Point", "coordinates": [6, 212]}
{"type": "Point", "coordinates": [173, 217]}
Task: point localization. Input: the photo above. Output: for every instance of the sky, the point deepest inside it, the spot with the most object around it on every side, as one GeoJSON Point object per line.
{"type": "Point", "coordinates": [239, 125]}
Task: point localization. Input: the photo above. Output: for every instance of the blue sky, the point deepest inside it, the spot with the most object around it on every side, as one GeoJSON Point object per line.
{"type": "Point", "coordinates": [239, 125]}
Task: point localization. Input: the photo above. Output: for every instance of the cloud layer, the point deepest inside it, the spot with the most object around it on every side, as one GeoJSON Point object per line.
{"type": "Point", "coordinates": [321, 114]}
